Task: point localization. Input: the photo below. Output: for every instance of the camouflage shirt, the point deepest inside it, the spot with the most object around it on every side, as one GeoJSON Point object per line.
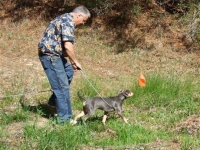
{"type": "Point", "coordinates": [60, 29]}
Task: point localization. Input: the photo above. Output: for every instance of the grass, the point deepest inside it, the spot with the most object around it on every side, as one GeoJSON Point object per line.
{"type": "Point", "coordinates": [153, 113]}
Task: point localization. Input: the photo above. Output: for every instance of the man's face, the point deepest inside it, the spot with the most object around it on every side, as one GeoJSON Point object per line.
{"type": "Point", "coordinates": [81, 19]}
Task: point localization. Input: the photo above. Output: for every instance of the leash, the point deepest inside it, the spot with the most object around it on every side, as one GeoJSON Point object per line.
{"type": "Point", "coordinates": [23, 94]}
{"type": "Point", "coordinates": [83, 74]}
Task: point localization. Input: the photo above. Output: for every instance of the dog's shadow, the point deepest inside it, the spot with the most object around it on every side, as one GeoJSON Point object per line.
{"type": "Point", "coordinates": [97, 119]}
{"type": "Point", "coordinates": [43, 109]}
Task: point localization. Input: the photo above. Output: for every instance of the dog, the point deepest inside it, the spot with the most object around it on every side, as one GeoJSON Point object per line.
{"type": "Point", "coordinates": [106, 104]}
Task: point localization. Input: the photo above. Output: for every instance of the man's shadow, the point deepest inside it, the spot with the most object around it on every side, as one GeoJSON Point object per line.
{"type": "Point", "coordinates": [43, 109]}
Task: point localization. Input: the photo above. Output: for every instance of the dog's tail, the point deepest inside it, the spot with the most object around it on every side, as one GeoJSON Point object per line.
{"type": "Point", "coordinates": [80, 96]}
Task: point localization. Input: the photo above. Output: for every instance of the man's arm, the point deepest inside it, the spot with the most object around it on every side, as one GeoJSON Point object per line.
{"type": "Point", "coordinates": [69, 50]}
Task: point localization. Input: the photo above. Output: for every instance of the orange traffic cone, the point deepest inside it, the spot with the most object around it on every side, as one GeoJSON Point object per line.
{"type": "Point", "coordinates": [142, 80]}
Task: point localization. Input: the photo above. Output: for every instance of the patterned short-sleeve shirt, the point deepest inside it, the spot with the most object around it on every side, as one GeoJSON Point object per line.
{"type": "Point", "coordinates": [60, 29]}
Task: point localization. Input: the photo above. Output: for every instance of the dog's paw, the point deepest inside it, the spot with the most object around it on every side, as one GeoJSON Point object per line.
{"type": "Point", "coordinates": [104, 123]}
{"type": "Point", "coordinates": [125, 120]}
{"type": "Point", "coordinates": [73, 122]}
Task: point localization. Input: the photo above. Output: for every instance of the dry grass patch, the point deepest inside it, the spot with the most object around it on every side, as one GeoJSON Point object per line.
{"type": "Point", "coordinates": [191, 124]}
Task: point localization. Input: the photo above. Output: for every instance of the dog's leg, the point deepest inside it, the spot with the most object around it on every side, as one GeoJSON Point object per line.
{"type": "Point", "coordinates": [125, 120]}
{"type": "Point", "coordinates": [120, 113]}
{"type": "Point", "coordinates": [104, 118]}
{"type": "Point", "coordinates": [89, 114]}
{"type": "Point", "coordinates": [86, 117]}
{"type": "Point", "coordinates": [78, 116]}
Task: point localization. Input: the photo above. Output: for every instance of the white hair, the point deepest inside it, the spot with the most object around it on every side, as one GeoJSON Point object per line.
{"type": "Point", "coordinates": [83, 10]}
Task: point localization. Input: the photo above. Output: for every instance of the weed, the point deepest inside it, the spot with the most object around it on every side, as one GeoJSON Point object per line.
{"type": "Point", "coordinates": [136, 10]}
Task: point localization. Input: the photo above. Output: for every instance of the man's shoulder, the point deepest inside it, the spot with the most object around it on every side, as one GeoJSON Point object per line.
{"type": "Point", "coordinates": [66, 18]}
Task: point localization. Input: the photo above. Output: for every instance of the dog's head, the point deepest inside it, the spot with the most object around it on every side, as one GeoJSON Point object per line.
{"type": "Point", "coordinates": [125, 94]}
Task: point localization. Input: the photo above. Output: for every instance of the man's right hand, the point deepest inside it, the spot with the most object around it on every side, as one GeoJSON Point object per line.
{"type": "Point", "coordinates": [77, 66]}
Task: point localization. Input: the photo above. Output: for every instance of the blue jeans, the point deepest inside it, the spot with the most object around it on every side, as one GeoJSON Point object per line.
{"type": "Point", "coordinates": [60, 74]}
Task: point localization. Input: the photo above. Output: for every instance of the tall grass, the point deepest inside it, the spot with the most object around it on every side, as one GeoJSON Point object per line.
{"type": "Point", "coordinates": [162, 91]}
{"type": "Point", "coordinates": [153, 112]}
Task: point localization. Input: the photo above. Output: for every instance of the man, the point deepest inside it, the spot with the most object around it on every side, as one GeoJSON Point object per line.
{"type": "Point", "coordinates": [55, 45]}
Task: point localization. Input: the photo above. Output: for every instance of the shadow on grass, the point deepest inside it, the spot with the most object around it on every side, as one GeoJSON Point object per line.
{"type": "Point", "coordinates": [44, 109]}
{"type": "Point", "coordinates": [96, 120]}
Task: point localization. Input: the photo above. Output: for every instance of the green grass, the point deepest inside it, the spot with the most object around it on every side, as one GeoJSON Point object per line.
{"type": "Point", "coordinates": [153, 112]}
{"type": "Point", "coordinates": [17, 116]}
{"type": "Point", "coordinates": [68, 137]}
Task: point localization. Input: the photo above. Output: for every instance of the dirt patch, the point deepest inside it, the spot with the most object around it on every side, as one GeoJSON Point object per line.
{"type": "Point", "coordinates": [14, 131]}
{"type": "Point", "coordinates": [191, 124]}
{"type": "Point", "coordinates": [157, 145]}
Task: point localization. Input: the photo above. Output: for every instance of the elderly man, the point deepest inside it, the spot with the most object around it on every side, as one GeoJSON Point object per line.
{"type": "Point", "coordinates": [55, 45]}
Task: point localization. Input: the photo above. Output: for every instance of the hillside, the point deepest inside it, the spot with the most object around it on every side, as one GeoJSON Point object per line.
{"type": "Point", "coordinates": [134, 24]}
{"type": "Point", "coordinates": [150, 30]}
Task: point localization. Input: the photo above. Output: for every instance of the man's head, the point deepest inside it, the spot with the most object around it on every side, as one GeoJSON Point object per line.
{"type": "Point", "coordinates": [81, 15]}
